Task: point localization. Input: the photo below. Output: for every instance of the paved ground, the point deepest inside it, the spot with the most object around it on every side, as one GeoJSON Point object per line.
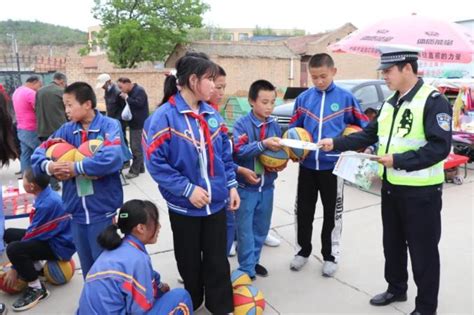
{"type": "Point", "coordinates": [306, 292]}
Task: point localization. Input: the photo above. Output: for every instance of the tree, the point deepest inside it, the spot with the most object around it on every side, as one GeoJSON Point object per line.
{"type": "Point", "coordinates": [145, 30]}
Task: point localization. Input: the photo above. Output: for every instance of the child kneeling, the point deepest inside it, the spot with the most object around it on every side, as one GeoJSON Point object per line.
{"type": "Point", "coordinates": [122, 280]}
{"type": "Point", "coordinates": [48, 237]}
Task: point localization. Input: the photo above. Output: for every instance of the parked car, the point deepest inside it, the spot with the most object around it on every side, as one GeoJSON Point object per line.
{"type": "Point", "coordinates": [369, 93]}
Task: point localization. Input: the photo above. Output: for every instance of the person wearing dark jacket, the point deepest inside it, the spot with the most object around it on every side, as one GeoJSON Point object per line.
{"type": "Point", "coordinates": [137, 99]}
{"type": "Point", "coordinates": [413, 131]}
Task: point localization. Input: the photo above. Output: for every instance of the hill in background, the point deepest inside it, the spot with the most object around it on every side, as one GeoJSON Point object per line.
{"type": "Point", "coordinates": [38, 33]}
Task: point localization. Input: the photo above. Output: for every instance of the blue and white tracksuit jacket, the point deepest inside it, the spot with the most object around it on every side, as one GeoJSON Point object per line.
{"type": "Point", "coordinates": [256, 201]}
{"type": "Point", "coordinates": [122, 281]}
{"type": "Point", "coordinates": [51, 223]}
{"type": "Point", "coordinates": [184, 150]}
{"type": "Point", "coordinates": [325, 114]}
{"type": "Point", "coordinates": [104, 164]}
{"type": "Point", "coordinates": [249, 133]}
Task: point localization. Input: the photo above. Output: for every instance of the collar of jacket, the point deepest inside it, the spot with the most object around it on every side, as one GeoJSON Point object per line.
{"type": "Point", "coordinates": [408, 97]}
{"type": "Point", "coordinates": [135, 242]}
{"type": "Point", "coordinates": [94, 126]}
{"type": "Point", "coordinates": [257, 122]}
{"type": "Point", "coordinates": [331, 87]}
{"type": "Point", "coordinates": [183, 107]}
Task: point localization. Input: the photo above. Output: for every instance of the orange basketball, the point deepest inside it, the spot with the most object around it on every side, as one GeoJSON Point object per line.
{"type": "Point", "coordinates": [88, 149]}
{"type": "Point", "coordinates": [274, 159]}
{"type": "Point", "coordinates": [248, 300]}
{"type": "Point", "coordinates": [19, 286]}
{"type": "Point", "coordinates": [351, 129]}
{"type": "Point", "coordinates": [61, 152]}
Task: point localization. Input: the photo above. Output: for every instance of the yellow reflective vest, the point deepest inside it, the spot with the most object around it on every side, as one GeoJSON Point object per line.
{"type": "Point", "coordinates": [403, 133]}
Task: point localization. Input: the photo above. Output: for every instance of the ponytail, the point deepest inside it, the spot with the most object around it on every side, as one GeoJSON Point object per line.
{"type": "Point", "coordinates": [132, 213]}
{"type": "Point", "coordinates": [170, 88]}
{"type": "Point", "coordinates": [109, 238]}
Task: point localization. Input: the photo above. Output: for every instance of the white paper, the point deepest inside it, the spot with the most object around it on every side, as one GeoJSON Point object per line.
{"type": "Point", "coordinates": [356, 168]}
{"type": "Point", "coordinates": [298, 144]}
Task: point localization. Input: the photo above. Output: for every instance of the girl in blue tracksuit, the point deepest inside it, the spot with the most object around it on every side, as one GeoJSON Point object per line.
{"type": "Point", "coordinates": [48, 237]}
{"type": "Point", "coordinates": [122, 279]}
{"type": "Point", "coordinates": [188, 154]}
{"type": "Point", "coordinates": [324, 111]}
{"type": "Point", "coordinates": [253, 134]}
{"type": "Point", "coordinates": [92, 191]}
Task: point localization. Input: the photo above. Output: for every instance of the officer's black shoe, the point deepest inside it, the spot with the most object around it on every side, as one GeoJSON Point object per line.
{"type": "Point", "coordinates": [261, 271]}
{"type": "Point", "coordinates": [415, 312]}
{"type": "Point", "coordinates": [386, 298]}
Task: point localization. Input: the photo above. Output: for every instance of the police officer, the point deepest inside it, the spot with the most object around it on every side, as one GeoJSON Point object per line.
{"type": "Point", "coordinates": [413, 131]}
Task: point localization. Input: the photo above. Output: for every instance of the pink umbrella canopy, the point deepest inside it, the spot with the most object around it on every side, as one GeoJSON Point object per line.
{"type": "Point", "coordinates": [442, 41]}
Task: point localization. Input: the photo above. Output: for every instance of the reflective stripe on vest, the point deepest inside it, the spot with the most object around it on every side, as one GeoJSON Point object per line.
{"type": "Point", "coordinates": [406, 134]}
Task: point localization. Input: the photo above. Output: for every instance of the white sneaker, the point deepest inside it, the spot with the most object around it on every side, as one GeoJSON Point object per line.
{"type": "Point", "coordinates": [298, 262]}
{"type": "Point", "coordinates": [232, 251]}
{"type": "Point", "coordinates": [329, 268]}
{"type": "Point", "coordinates": [272, 241]}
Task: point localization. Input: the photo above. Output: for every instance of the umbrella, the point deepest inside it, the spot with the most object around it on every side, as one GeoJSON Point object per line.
{"type": "Point", "coordinates": [442, 41]}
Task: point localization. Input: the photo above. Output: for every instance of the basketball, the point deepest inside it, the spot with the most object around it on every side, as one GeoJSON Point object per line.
{"type": "Point", "coordinates": [248, 300]}
{"type": "Point", "coordinates": [19, 286]}
{"type": "Point", "coordinates": [351, 129]}
{"type": "Point", "coordinates": [88, 149]}
{"type": "Point", "coordinates": [59, 272]}
{"type": "Point", "coordinates": [61, 152]}
{"type": "Point", "coordinates": [274, 159]}
{"type": "Point", "coordinates": [238, 278]}
{"type": "Point", "coordinates": [301, 134]}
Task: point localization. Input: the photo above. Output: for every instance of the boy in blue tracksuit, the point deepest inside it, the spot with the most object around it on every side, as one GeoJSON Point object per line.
{"type": "Point", "coordinates": [122, 280]}
{"type": "Point", "coordinates": [324, 111]}
{"type": "Point", "coordinates": [92, 191]}
{"type": "Point", "coordinates": [48, 237]}
{"type": "Point", "coordinates": [253, 134]}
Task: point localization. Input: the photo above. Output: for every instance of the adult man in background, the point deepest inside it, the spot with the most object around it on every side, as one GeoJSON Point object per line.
{"type": "Point", "coordinates": [24, 104]}
{"type": "Point", "coordinates": [50, 112]}
{"type": "Point", "coordinates": [137, 99]}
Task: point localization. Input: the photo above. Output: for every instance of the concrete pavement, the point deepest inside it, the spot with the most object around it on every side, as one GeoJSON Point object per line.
{"type": "Point", "coordinates": [360, 274]}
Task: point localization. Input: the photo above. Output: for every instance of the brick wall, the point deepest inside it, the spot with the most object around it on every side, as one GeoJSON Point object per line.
{"type": "Point", "coordinates": [150, 79]}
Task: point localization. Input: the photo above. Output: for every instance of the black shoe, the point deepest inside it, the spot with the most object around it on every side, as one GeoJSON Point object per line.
{"type": "Point", "coordinates": [261, 271]}
{"type": "Point", "coordinates": [30, 298]}
{"type": "Point", "coordinates": [131, 175]}
{"type": "Point", "coordinates": [3, 309]}
{"type": "Point", "coordinates": [253, 278]}
{"type": "Point", "coordinates": [142, 171]}
{"type": "Point", "coordinates": [415, 312]}
{"type": "Point", "coordinates": [386, 298]}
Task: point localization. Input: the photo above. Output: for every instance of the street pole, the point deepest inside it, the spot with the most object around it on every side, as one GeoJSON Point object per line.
{"type": "Point", "coordinates": [17, 56]}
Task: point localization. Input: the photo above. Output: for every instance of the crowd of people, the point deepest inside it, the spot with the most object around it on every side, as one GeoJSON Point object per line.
{"type": "Point", "coordinates": [217, 191]}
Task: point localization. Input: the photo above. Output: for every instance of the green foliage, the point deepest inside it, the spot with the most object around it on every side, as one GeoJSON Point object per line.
{"type": "Point", "coordinates": [261, 31]}
{"type": "Point", "coordinates": [145, 30]}
{"type": "Point", "coordinates": [38, 33]}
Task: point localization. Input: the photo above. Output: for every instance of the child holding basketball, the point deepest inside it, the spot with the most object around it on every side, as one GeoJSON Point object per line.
{"type": "Point", "coordinates": [48, 237]}
{"type": "Point", "coordinates": [324, 111]}
{"type": "Point", "coordinates": [92, 191]}
{"type": "Point", "coordinates": [253, 134]}
{"type": "Point", "coordinates": [188, 154]}
{"type": "Point", "coordinates": [122, 280]}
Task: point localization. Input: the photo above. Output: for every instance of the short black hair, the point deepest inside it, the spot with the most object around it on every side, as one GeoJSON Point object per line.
{"type": "Point", "coordinates": [413, 64]}
{"type": "Point", "coordinates": [220, 72]}
{"type": "Point", "coordinates": [83, 93]}
{"type": "Point", "coordinates": [321, 60]}
{"type": "Point", "coordinates": [33, 79]}
{"type": "Point", "coordinates": [369, 111]}
{"type": "Point", "coordinates": [40, 179]}
{"type": "Point", "coordinates": [260, 85]}
{"type": "Point", "coordinates": [60, 76]}
{"type": "Point", "coordinates": [124, 80]}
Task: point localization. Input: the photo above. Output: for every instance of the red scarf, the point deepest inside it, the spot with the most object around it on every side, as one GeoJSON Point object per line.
{"type": "Point", "coordinates": [207, 137]}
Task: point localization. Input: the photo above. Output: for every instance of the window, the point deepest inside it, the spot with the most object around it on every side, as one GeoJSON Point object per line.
{"type": "Point", "coordinates": [385, 91]}
{"type": "Point", "coordinates": [367, 95]}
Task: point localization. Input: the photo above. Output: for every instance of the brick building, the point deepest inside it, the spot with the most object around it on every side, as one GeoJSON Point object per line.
{"type": "Point", "coordinates": [246, 62]}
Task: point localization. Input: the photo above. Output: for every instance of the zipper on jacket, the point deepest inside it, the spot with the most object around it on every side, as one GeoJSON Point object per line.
{"type": "Point", "coordinates": [321, 113]}
{"type": "Point", "coordinates": [205, 166]}
{"type": "Point", "coordinates": [395, 112]}
{"type": "Point", "coordinates": [86, 211]}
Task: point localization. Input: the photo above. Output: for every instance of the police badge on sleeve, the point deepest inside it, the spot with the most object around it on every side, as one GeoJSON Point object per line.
{"type": "Point", "coordinates": [444, 121]}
